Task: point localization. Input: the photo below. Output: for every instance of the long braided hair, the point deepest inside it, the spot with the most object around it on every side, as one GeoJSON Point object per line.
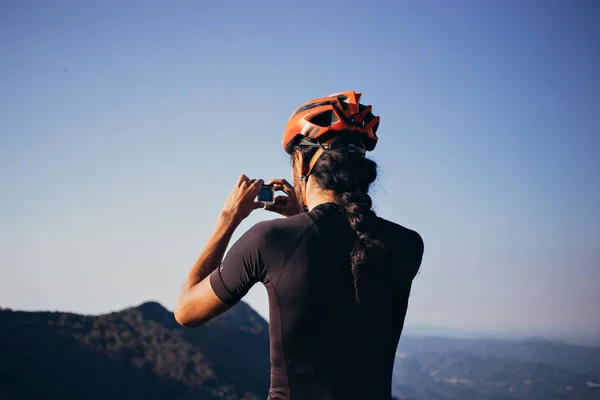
{"type": "Point", "coordinates": [349, 175]}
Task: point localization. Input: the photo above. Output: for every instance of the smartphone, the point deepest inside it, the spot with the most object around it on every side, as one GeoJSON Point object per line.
{"type": "Point", "coordinates": [266, 194]}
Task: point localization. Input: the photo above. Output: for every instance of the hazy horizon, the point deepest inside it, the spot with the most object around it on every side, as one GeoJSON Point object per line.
{"type": "Point", "coordinates": [123, 126]}
{"type": "Point", "coordinates": [549, 333]}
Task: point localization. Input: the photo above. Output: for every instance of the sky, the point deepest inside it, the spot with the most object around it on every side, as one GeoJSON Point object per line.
{"type": "Point", "coordinates": [123, 126]}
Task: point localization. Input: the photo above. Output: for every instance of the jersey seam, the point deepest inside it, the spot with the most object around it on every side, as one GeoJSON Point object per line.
{"type": "Point", "coordinates": [294, 245]}
{"type": "Point", "coordinates": [287, 372]}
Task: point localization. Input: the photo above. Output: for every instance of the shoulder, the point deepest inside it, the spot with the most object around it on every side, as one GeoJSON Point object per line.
{"type": "Point", "coordinates": [391, 231]}
{"type": "Point", "coordinates": [279, 230]}
{"type": "Point", "coordinates": [405, 245]}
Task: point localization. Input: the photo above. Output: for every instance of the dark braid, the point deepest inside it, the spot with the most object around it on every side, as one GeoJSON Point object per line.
{"type": "Point", "coordinates": [349, 175]}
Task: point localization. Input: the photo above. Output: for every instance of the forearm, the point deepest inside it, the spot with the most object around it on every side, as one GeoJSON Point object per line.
{"type": "Point", "coordinates": [212, 255]}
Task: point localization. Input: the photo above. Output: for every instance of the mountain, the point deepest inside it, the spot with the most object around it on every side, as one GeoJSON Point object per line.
{"type": "Point", "coordinates": [142, 353]}
{"type": "Point", "coordinates": [137, 353]}
{"type": "Point", "coordinates": [445, 368]}
{"type": "Point", "coordinates": [584, 336]}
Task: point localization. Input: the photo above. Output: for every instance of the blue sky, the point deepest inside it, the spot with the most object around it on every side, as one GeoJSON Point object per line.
{"type": "Point", "coordinates": [123, 125]}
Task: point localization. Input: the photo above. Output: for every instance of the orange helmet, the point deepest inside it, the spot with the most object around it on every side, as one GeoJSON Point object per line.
{"type": "Point", "coordinates": [330, 116]}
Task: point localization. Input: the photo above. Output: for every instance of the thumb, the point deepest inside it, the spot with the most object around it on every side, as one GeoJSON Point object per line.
{"type": "Point", "coordinates": [269, 206]}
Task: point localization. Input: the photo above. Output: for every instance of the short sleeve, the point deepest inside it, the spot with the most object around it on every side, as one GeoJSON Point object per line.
{"type": "Point", "coordinates": [241, 268]}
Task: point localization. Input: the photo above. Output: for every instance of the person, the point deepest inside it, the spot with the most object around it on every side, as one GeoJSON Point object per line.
{"type": "Point", "coordinates": [338, 276]}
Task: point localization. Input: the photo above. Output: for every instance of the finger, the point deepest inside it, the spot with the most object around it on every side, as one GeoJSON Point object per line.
{"type": "Point", "coordinates": [281, 200]}
{"type": "Point", "coordinates": [278, 204]}
{"type": "Point", "coordinates": [242, 178]}
{"type": "Point", "coordinates": [272, 207]}
{"type": "Point", "coordinates": [256, 185]}
{"type": "Point", "coordinates": [278, 201]}
{"type": "Point", "coordinates": [254, 188]}
{"type": "Point", "coordinates": [288, 188]}
{"type": "Point", "coordinates": [281, 184]}
{"type": "Point", "coordinates": [276, 181]}
{"type": "Point", "coordinates": [258, 204]}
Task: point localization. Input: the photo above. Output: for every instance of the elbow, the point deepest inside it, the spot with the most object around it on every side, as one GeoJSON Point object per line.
{"type": "Point", "coordinates": [181, 313]}
{"type": "Point", "coordinates": [185, 320]}
{"type": "Point", "coordinates": [179, 317]}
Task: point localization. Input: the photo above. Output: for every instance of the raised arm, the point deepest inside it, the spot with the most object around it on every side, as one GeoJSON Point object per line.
{"type": "Point", "coordinates": [198, 302]}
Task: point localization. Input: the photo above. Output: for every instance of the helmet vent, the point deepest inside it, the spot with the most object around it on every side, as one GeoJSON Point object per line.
{"type": "Point", "coordinates": [343, 101]}
{"type": "Point", "coordinates": [324, 119]}
{"type": "Point", "coordinates": [313, 105]}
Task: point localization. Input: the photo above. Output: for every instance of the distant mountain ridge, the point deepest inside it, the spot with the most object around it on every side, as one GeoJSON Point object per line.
{"type": "Point", "coordinates": [551, 333]}
{"type": "Point", "coordinates": [438, 368]}
{"type": "Point", "coordinates": [142, 353]}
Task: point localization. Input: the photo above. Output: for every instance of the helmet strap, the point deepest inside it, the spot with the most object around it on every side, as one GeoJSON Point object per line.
{"type": "Point", "coordinates": [304, 178]}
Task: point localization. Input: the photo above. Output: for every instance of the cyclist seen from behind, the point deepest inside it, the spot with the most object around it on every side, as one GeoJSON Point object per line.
{"type": "Point", "coordinates": [338, 276]}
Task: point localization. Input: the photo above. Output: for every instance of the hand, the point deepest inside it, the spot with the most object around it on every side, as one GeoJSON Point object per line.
{"type": "Point", "coordinates": [284, 205]}
{"type": "Point", "coordinates": [240, 202]}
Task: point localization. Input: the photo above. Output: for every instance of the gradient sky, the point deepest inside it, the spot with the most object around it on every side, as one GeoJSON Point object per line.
{"type": "Point", "coordinates": [123, 125]}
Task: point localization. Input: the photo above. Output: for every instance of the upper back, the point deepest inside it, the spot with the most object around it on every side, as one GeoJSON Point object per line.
{"type": "Point", "coordinates": [307, 266]}
{"type": "Point", "coordinates": [322, 340]}
{"type": "Point", "coordinates": [312, 249]}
